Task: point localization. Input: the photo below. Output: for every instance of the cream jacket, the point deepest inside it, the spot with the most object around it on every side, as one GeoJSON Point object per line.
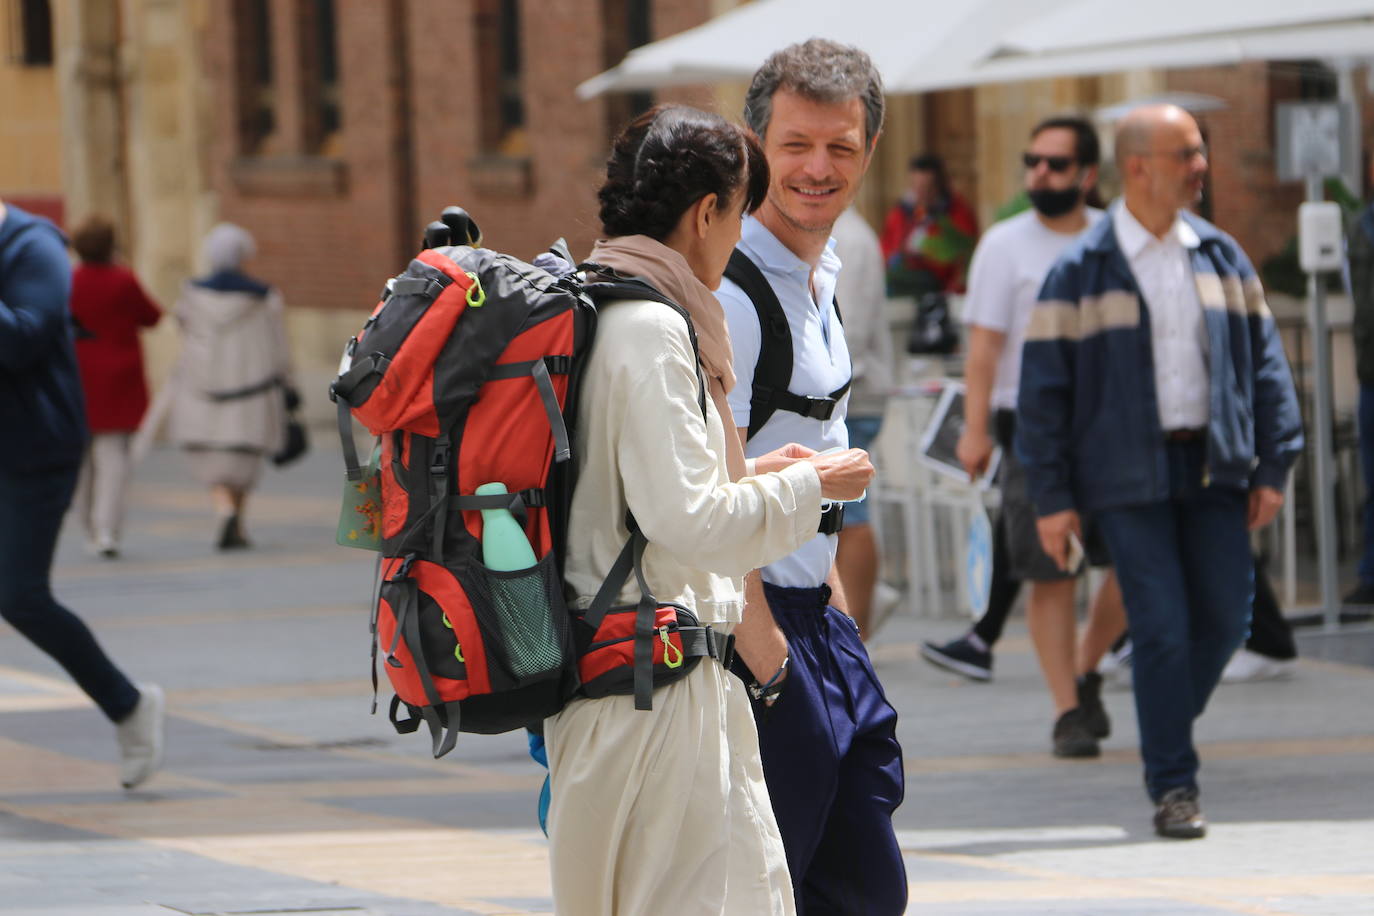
{"type": "Point", "coordinates": [642, 444]}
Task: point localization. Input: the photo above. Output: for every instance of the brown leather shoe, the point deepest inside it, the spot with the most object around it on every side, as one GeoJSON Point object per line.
{"type": "Point", "coordinates": [1178, 817]}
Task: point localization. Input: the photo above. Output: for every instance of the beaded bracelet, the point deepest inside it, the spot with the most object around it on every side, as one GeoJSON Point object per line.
{"type": "Point", "coordinates": [770, 690]}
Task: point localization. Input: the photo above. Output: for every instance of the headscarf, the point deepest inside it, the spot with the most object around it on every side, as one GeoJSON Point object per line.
{"type": "Point", "coordinates": [667, 271]}
{"type": "Point", "coordinates": [226, 247]}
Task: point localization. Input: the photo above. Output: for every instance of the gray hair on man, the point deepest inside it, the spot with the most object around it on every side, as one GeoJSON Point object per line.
{"type": "Point", "coordinates": [820, 70]}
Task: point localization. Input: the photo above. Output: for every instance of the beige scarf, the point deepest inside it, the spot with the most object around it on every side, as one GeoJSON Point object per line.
{"type": "Point", "coordinates": [667, 271]}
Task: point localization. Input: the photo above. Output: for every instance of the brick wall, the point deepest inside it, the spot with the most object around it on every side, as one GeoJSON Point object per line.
{"type": "Point", "coordinates": [1247, 198]}
{"type": "Point", "coordinates": [410, 142]}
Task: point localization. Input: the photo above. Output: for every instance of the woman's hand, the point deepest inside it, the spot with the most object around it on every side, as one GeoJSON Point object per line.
{"type": "Point", "coordinates": [780, 458]}
{"type": "Point", "coordinates": [844, 475]}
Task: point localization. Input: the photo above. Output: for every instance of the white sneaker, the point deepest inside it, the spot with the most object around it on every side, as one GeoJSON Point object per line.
{"type": "Point", "coordinates": [1115, 667]}
{"type": "Point", "coordinates": [140, 737]}
{"type": "Point", "coordinates": [1251, 666]}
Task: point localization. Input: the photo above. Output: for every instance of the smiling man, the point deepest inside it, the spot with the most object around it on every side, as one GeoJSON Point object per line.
{"type": "Point", "coordinates": [1156, 398]}
{"type": "Point", "coordinates": [826, 731]}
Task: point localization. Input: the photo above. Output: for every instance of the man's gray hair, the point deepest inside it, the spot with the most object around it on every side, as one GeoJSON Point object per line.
{"type": "Point", "coordinates": [820, 70]}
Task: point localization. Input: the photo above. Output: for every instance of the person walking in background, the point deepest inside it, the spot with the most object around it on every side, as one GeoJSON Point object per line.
{"type": "Point", "coordinates": [860, 293]}
{"type": "Point", "coordinates": [1270, 652]}
{"type": "Point", "coordinates": [44, 422]}
{"type": "Point", "coordinates": [1156, 400]}
{"type": "Point", "coordinates": [232, 384]}
{"type": "Point", "coordinates": [826, 730]}
{"type": "Point", "coordinates": [1009, 267]}
{"type": "Point", "coordinates": [929, 233]}
{"type": "Point", "coordinates": [666, 810]}
{"type": "Point", "coordinates": [1360, 277]}
{"type": "Point", "coordinates": [110, 308]}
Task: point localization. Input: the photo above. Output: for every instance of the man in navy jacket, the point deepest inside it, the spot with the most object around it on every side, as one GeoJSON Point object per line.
{"type": "Point", "coordinates": [44, 424]}
{"type": "Point", "coordinates": [1155, 396]}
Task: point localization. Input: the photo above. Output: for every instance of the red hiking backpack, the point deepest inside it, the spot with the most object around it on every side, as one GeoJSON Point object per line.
{"type": "Point", "coordinates": [467, 372]}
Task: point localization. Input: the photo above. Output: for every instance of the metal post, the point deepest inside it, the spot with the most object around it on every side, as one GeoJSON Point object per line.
{"type": "Point", "coordinates": [1320, 430]}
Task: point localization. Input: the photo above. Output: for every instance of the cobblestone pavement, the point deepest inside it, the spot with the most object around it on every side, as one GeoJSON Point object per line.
{"type": "Point", "coordinates": [282, 795]}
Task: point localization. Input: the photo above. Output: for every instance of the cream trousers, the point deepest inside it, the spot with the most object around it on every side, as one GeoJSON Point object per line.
{"type": "Point", "coordinates": [99, 498]}
{"type": "Point", "coordinates": [664, 811]}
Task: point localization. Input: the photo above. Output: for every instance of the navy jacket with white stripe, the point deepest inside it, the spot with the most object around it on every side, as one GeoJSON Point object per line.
{"type": "Point", "coordinates": [1088, 426]}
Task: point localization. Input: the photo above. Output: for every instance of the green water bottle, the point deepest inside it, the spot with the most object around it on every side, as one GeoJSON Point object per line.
{"type": "Point", "coordinates": [504, 545]}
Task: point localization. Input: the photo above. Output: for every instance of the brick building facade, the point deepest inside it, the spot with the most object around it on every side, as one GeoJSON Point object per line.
{"type": "Point", "coordinates": [342, 127]}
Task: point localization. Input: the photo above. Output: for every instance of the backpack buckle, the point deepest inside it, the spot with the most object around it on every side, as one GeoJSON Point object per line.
{"type": "Point", "coordinates": [818, 408]}
{"type": "Point", "coordinates": [438, 465]}
{"type": "Point", "coordinates": [832, 519]}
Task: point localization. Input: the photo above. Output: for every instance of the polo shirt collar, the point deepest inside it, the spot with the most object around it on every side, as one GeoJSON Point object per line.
{"type": "Point", "coordinates": [773, 255]}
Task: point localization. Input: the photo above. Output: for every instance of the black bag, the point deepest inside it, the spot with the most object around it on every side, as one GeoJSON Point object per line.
{"type": "Point", "coordinates": [933, 330]}
{"type": "Point", "coordinates": [296, 443]}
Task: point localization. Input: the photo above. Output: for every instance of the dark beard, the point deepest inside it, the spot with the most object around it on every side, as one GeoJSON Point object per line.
{"type": "Point", "coordinates": [1051, 203]}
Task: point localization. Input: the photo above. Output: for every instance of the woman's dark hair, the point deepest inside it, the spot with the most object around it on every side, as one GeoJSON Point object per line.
{"type": "Point", "coordinates": [668, 159]}
{"type": "Point", "coordinates": [94, 240]}
{"type": "Point", "coordinates": [929, 162]}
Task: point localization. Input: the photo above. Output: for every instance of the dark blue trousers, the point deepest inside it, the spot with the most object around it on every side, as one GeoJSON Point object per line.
{"type": "Point", "coordinates": [832, 764]}
{"type": "Point", "coordinates": [31, 510]}
{"type": "Point", "coordinates": [1187, 578]}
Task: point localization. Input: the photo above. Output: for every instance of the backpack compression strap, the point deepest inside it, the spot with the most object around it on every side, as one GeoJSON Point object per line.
{"type": "Point", "coordinates": [773, 371]}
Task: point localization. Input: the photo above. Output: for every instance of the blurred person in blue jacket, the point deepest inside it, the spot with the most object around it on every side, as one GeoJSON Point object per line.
{"type": "Point", "coordinates": [43, 419]}
{"type": "Point", "coordinates": [1155, 397]}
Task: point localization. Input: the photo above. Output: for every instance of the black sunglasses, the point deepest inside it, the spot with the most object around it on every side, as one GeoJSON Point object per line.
{"type": "Point", "coordinates": [1055, 163]}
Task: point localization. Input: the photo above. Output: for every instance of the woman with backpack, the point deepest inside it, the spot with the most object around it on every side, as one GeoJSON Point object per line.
{"type": "Point", "coordinates": [666, 810]}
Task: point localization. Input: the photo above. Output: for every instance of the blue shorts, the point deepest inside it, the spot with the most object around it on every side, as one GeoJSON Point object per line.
{"type": "Point", "coordinates": [862, 432]}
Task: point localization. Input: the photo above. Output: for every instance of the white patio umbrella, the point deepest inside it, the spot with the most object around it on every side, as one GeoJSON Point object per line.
{"type": "Point", "coordinates": [918, 45]}
{"type": "Point", "coordinates": [1076, 38]}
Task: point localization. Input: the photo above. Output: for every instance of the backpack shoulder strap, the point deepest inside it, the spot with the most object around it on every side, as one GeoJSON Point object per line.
{"type": "Point", "coordinates": [623, 287]}
{"type": "Point", "coordinates": [773, 370]}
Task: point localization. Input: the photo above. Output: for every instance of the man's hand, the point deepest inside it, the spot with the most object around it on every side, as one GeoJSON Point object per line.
{"type": "Point", "coordinates": [780, 458]}
{"type": "Point", "coordinates": [844, 475]}
{"type": "Point", "coordinates": [974, 451]}
{"type": "Point", "coordinates": [1054, 535]}
{"type": "Point", "coordinates": [1265, 503]}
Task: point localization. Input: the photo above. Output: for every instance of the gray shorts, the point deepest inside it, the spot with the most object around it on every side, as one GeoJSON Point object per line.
{"type": "Point", "coordinates": [1017, 523]}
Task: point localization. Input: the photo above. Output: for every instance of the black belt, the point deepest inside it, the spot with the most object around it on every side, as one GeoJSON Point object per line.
{"type": "Point", "coordinates": [1185, 435]}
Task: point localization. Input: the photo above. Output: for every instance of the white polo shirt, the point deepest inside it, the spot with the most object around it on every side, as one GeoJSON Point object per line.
{"type": "Point", "coordinates": [820, 365]}
{"type": "Point", "coordinates": [1163, 270]}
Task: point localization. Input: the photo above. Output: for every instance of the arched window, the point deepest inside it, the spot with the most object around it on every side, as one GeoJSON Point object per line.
{"type": "Point", "coordinates": [628, 24]}
{"type": "Point", "coordinates": [320, 78]}
{"type": "Point", "coordinates": [501, 77]}
{"type": "Point", "coordinates": [255, 77]}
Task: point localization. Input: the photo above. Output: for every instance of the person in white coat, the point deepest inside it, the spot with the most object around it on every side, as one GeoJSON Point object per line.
{"type": "Point", "coordinates": [232, 383]}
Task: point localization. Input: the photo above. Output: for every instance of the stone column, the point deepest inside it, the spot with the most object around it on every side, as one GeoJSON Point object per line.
{"type": "Point", "coordinates": [94, 176]}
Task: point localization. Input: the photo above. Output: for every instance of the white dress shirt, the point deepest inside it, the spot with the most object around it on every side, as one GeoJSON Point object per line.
{"type": "Point", "coordinates": [820, 365]}
{"type": "Point", "coordinates": [1178, 334]}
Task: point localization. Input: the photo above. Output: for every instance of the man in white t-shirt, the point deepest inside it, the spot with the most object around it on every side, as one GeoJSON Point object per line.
{"type": "Point", "coordinates": [1008, 269]}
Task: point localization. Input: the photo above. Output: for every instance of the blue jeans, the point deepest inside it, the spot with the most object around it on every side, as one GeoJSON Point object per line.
{"type": "Point", "coordinates": [862, 432]}
{"type": "Point", "coordinates": [1187, 578]}
{"type": "Point", "coordinates": [1365, 420]}
{"type": "Point", "coordinates": [31, 510]}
